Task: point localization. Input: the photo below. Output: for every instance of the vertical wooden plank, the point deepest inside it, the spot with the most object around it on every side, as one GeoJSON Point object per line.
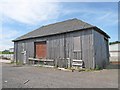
{"type": "Point", "coordinates": [59, 46]}
{"type": "Point", "coordinates": [15, 51]}
{"type": "Point", "coordinates": [50, 49]}
{"type": "Point", "coordinates": [87, 47]}
{"type": "Point", "coordinates": [20, 56]}
{"type": "Point", "coordinates": [84, 54]}
{"type": "Point", "coordinates": [91, 49]}
{"type": "Point", "coordinates": [47, 42]}
{"type": "Point", "coordinates": [100, 49]}
{"type": "Point", "coordinates": [71, 47]}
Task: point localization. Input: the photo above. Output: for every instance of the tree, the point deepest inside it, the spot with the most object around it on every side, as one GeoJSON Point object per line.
{"type": "Point", "coordinates": [114, 42]}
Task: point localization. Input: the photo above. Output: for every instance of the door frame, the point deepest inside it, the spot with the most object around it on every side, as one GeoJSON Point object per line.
{"type": "Point", "coordinates": [35, 47]}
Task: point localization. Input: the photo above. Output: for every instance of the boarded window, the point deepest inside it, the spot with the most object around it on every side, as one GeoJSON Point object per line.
{"type": "Point", "coordinates": [77, 48]}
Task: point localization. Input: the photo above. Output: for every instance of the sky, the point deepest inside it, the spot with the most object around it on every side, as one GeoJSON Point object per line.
{"type": "Point", "coordinates": [22, 16]}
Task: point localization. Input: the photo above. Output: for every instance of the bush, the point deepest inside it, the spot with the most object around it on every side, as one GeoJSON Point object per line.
{"type": "Point", "coordinates": [12, 62]}
{"type": "Point", "coordinates": [19, 63]}
{"type": "Point", "coordinates": [97, 67]}
{"type": "Point", "coordinates": [80, 70]}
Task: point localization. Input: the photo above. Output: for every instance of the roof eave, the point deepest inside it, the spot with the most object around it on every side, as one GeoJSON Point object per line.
{"type": "Point", "coordinates": [94, 27]}
{"type": "Point", "coordinates": [101, 31]}
{"type": "Point", "coordinates": [50, 34]}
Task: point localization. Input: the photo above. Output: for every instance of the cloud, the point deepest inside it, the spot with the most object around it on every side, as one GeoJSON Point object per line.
{"type": "Point", "coordinates": [110, 18]}
{"type": "Point", "coordinates": [6, 38]}
{"type": "Point", "coordinates": [29, 11]}
{"type": "Point", "coordinates": [9, 34]}
{"type": "Point", "coordinates": [97, 16]}
{"type": "Point", "coordinates": [6, 44]}
{"type": "Point", "coordinates": [35, 12]}
{"type": "Point", "coordinates": [26, 12]}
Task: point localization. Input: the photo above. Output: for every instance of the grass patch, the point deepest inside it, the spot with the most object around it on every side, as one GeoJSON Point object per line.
{"type": "Point", "coordinates": [6, 52]}
{"type": "Point", "coordinates": [84, 69]}
{"type": "Point", "coordinates": [19, 63]}
{"type": "Point", "coordinates": [98, 68]}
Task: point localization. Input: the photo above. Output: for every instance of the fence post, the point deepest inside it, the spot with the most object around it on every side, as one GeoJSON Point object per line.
{"type": "Point", "coordinates": [68, 60]}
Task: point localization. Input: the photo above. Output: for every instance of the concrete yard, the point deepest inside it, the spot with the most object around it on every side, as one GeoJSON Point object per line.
{"type": "Point", "coordinates": [41, 77]}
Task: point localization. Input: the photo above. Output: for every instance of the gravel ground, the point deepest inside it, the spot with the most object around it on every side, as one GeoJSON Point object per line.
{"type": "Point", "coordinates": [40, 77]}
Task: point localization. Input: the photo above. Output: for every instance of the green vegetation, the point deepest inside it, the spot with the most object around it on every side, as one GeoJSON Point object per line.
{"type": "Point", "coordinates": [84, 69]}
{"type": "Point", "coordinates": [6, 52]}
{"type": "Point", "coordinates": [98, 68]}
{"type": "Point", "coordinates": [81, 69]}
{"type": "Point", "coordinates": [114, 42]}
{"type": "Point", "coordinates": [19, 63]}
{"type": "Point", "coordinates": [12, 62]}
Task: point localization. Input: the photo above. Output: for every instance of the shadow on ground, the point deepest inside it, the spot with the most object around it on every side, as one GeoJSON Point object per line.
{"type": "Point", "coordinates": [113, 66]}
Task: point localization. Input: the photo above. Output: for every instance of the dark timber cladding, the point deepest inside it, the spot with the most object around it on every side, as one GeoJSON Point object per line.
{"type": "Point", "coordinates": [65, 42]}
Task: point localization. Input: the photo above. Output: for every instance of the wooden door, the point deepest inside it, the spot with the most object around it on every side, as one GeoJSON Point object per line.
{"type": "Point", "coordinates": [41, 50]}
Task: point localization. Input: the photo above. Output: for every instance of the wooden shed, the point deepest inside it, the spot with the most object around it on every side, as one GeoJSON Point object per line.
{"type": "Point", "coordinates": [62, 43]}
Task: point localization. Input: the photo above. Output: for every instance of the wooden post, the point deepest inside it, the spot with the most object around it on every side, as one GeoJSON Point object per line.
{"type": "Point", "coordinates": [68, 60]}
{"type": "Point", "coordinates": [55, 62]}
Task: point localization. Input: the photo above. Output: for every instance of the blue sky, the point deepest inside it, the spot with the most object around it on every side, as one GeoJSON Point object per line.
{"type": "Point", "coordinates": [23, 16]}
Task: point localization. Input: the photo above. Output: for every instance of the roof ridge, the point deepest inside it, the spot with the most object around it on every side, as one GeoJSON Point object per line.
{"type": "Point", "coordinates": [60, 22]}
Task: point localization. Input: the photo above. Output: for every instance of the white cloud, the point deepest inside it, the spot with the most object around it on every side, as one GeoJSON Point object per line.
{"type": "Point", "coordinates": [107, 16]}
{"type": "Point", "coordinates": [6, 38]}
{"type": "Point", "coordinates": [9, 34]}
{"type": "Point", "coordinates": [29, 11]}
{"type": "Point", "coordinates": [6, 44]}
{"type": "Point", "coordinates": [34, 11]}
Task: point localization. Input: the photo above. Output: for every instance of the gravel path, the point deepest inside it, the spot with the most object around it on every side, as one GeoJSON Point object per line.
{"type": "Point", "coordinates": [40, 77]}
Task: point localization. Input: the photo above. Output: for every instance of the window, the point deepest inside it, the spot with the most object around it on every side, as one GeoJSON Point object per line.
{"type": "Point", "coordinates": [77, 48]}
{"type": "Point", "coordinates": [77, 44]}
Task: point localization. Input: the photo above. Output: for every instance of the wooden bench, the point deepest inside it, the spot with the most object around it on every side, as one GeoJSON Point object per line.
{"type": "Point", "coordinates": [77, 63]}
{"type": "Point", "coordinates": [33, 60]}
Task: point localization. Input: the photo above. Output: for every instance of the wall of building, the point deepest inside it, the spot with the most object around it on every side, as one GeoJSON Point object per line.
{"type": "Point", "coordinates": [101, 49]}
{"type": "Point", "coordinates": [114, 52]}
{"type": "Point", "coordinates": [60, 47]}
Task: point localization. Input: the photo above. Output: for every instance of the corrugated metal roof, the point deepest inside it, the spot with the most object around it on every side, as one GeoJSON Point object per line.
{"type": "Point", "coordinates": [56, 28]}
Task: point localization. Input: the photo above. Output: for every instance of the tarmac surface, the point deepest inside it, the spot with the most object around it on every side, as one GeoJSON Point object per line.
{"type": "Point", "coordinates": [41, 77]}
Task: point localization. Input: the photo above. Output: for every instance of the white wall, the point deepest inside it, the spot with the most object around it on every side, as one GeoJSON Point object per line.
{"type": "Point", "coordinates": [11, 56]}
{"type": "Point", "coordinates": [114, 50]}
{"type": "Point", "coordinates": [114, 47]}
